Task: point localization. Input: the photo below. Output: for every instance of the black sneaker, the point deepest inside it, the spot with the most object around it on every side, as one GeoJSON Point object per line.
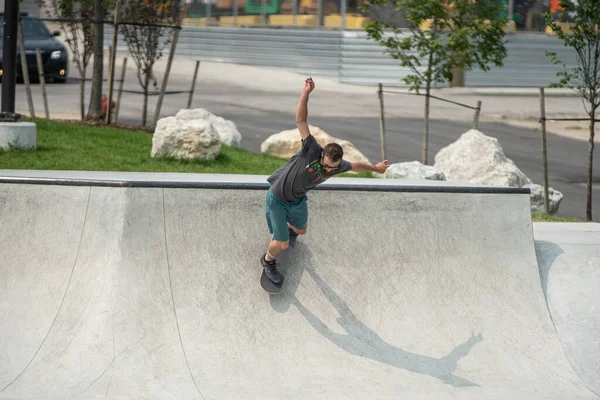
{"type": "Point", "coordinates": [292, 233]}
{"type": "Point", "coordinates": [271, 270]}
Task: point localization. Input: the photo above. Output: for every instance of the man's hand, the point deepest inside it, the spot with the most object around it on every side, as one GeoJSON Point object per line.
{"type": "Point", "coordinates": [309, 86]}
{"type": "Point", "coordinates": [381, 167]}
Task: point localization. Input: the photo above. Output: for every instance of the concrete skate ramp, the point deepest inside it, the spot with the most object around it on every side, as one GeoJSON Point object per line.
{"type": "Point", "coordinates": [408, 291]}
{"type": "Point", "coordinates": [569, 261]}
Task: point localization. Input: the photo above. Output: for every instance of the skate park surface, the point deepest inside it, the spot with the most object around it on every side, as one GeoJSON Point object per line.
{"type": "Point", "coordinates": [126, 285]}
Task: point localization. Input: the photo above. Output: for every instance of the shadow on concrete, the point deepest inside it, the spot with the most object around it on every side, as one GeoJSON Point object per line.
{"type": "Point", "coordinates": [359, 339]}
{"type": "Point", "coordinates": [546, 253]}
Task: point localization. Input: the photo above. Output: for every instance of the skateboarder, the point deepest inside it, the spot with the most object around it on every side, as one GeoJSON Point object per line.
{"type": "Point", "coordinates": [286, 202]}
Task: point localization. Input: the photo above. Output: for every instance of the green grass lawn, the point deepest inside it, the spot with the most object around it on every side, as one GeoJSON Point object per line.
{"type": "Point", "coordinates": [72, 146]}
{"type": "Point", "coordinates": [68, 146]}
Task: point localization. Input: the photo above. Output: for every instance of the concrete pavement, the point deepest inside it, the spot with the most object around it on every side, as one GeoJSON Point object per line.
{"type": "Point", "coordinates": [569, 261]}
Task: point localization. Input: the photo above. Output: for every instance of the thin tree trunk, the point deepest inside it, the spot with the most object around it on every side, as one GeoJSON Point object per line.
{"type": "Point", "coordinates": [95, 109]}
{"type": "Point", "coordinates": [590, 165]}
{"type": "Point", "coordinates": [429, 75]}
{"type": "Point", "coordinates": [82, 94]}
{"type": "Point", "coordinates": [147, 79]}
{"type": "Point", "coordinates": [145, 107]}
{"type": "Point", "coordinates": [458, 77]}
{"type": "Point", "coordinates": [426, 135]}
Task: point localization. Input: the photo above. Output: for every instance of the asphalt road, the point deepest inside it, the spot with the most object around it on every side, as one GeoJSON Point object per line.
{"type": "Point", "coordinates": [259, 114]}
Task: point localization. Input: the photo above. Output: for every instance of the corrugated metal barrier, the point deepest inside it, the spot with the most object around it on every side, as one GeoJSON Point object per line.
{"type": "Point", "coordinates": [308, 52]}
{"type": "Point", "coordinates": [364, 62]}
{"type": "Point", "coordinates": [350, 57]}
{"type": "Point", "coordinates": [526, 64]}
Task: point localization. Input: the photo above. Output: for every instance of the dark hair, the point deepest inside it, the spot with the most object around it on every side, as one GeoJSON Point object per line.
{"type": "Point", "coordinates": [334, 151]}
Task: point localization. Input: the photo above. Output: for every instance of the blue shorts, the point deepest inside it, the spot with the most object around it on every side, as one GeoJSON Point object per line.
{"type": "Point", "coordinates": [280, 212]}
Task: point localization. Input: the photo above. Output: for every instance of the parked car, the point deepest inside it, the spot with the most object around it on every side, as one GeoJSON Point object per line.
{"type": "Point", "coordinates": [36, 35]}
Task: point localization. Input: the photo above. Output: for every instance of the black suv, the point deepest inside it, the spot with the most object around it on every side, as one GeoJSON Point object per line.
{"type": "Point", "coordinates": [55, 57]}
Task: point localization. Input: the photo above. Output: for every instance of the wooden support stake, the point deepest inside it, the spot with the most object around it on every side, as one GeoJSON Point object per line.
{"type": "Point", "coordinates": [121, 88]}
{"type": "Point", "coordinates": [25, 71]}
{"type": "Point", "coordinates": [476, 117]}
{"type": "Point", "coordinates": [544, 150]}
{"type": "Point", "coordinates": [189, 105]}
{"type": "Point", "coordinates": [381, 122]}
{"type": "Point", "coordinates": [163, 86]}
{"type": "Point", "coordinates": [113, 57]}
{"type": "Point", "coordinates": [40, 66]}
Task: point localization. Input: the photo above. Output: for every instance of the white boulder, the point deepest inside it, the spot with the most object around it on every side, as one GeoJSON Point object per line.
{"type": "Point", "coordinates": [287, 143]}
{"type": "Point", "coordinates": [537, 199]}
{"type": "Point", "coordinates": [479, 159]}
{"type": "Point", "coordinates": [412, 170]}
{"type": "Point", "coordinates": [185, 139]}
{"type": "Point", "coordinates": [226, 129]}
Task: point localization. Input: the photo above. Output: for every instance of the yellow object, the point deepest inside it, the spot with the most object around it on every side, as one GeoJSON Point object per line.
{"type": "Point", "coordinates": [426, 25]}
{"type": "Point", "coordinates": [305, 6]}
{"type": "Point", "coordinates": [241, 20]}
{"type": "Point", "coordinates": [310, 20]}
{"type": "Point", "coordinates": [564, 25]}
{"type": "Point", "coordinates": [352, 21]}
{"type": "Point", "coordinates": [511, 26]}
{"type": "Point", "coordinates": [199, 21]}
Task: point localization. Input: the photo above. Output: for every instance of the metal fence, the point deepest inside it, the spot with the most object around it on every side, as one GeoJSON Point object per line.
{"type": "Point", "coordinates": [364, 62]}
{"type": "Point", "coordinates": [526, 63]}
{"type": "Point", "coordinates": [350, 57]}
{"type": "Point", "coordinates": [309, 52]}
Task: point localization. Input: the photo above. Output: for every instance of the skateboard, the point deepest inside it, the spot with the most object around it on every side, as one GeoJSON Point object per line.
{"type": "Point", "coordinates": [265, 282]}
{"type": "Point", "coordinates": [269, 286]}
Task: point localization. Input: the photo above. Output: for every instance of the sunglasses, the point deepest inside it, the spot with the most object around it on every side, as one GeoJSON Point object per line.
{"type": "Point", "coordinates": [327, 166]}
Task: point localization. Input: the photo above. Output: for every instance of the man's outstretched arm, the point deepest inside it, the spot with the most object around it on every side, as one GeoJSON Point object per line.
{"type": "Point", "coordinates": [302, 109]}
{"type": "Point", "coordinates": [364, 167]}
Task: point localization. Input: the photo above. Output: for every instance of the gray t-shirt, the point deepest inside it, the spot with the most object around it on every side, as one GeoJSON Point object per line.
{"type": "Point", "coordinates": [302, 172]}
